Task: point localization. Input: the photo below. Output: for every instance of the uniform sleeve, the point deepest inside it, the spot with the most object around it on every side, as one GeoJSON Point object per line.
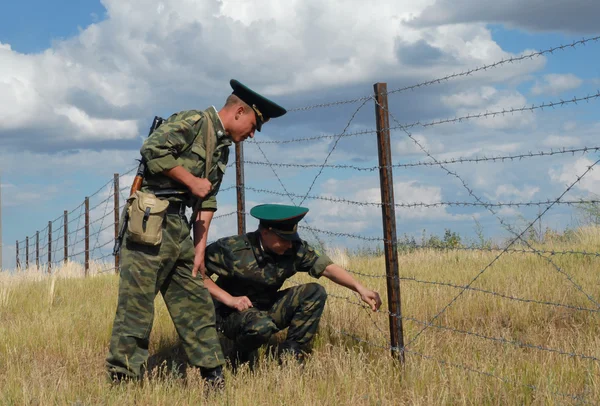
{"type": "Point", "coordinates": [162, 147]}
{"type": "Point", "coordinates": [210, 203]}
{"type": "Point", "coordinates": [215, 260]}
{"type": "Point", "coordinates": [312, 260]}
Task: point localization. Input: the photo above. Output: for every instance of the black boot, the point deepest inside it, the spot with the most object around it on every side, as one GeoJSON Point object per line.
{"type": "Point", "coordinates": [213, 378]}
{"type": "Point", "coordinates": [291, 348]}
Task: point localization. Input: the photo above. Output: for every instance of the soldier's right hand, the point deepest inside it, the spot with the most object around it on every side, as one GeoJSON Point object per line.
{"type": "Point", "coordinates": [200, 187]}
{"type": "Point", "coordinates": [240, 303]}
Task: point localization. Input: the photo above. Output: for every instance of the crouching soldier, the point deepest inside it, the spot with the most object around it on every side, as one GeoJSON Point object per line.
{"type": "Point", "coordinates": [250, 271]}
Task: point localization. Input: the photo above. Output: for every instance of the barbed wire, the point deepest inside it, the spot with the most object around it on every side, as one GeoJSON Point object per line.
{"type": "Point", "coordinates": [335, 144]}
{"type": "Point", "coordinates": [489, 292]}
{"type": "Point", "coordinates": [456, 365]}
{"type": "Point", "coordinates": [469, 72]}
{"type": "Point", "coordinates": [446, 78]}
{"type": "Point", "coordinates": [499, 340]}
{"type": "Point", "coordinates": [467, 117]}
{"type": "Point", "coordinates": [503, 340]}
{"type": "Point", "coordinates": [427, 205]}
{"type": "Point", "coordinates": [502, 222]}
{"type": "Point", "coordinates": [457, 160]}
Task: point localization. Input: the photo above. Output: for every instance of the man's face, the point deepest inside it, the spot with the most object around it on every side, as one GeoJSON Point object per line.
{"type": "Point", "coordinates": [243, 126]}
{"type": "Point", "coordinates": [275, 243]}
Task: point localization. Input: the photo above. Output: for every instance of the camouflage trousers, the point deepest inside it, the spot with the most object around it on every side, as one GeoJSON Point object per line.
{"type": "Point", "coordinates": [299, 308]}
{"type": "Point", "coordinates": [146, 270]}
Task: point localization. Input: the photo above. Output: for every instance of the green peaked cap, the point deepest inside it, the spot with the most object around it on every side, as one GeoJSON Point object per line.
{"type": "Point", "coordinates": [264, 109]}
{"type": "Point", "coordinates": [281, 219]}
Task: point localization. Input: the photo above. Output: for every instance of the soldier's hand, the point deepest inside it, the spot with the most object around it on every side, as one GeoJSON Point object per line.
{"type": "Point", "coordinates": [200, 187]}
{"type": "Point", "coordinates": [199, 265]}
{"type": "Point", "coordinates": [241, 303]}
{"type": "Point", "coordinates": [371, 298]}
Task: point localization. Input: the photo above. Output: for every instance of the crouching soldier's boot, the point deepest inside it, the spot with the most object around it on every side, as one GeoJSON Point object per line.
{"type": "Point", "coordinates": [291, 348]}
{"type": "Point", "coordinates": [213, 378]}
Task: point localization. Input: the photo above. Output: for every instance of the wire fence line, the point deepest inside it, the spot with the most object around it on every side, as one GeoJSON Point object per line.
{"type": "Point", "coordinates": [87, 229]}
{"type": "Point", "coordinates": [453, 120]}
{"type": "Point", "coordinates": [457, 160]}
{"type": "Point", "coordinates": [469, 72]}
{"type": "Point", "coordinates": [518, 236]}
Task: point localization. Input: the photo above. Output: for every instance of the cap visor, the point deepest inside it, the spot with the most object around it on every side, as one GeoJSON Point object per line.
{"type": "Point", "coordinates": [289, 237]}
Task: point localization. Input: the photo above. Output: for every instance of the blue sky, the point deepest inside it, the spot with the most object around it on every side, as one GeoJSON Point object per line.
{"type": "Point", "coordinates": [82, 81]}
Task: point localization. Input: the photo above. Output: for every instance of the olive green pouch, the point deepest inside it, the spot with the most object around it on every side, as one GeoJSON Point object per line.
{"type": "Point", "coordinates": [146, 216]}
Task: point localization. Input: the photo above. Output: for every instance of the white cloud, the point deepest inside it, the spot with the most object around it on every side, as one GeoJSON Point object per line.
{"type": "Point", "coordinates": [95, 86]}
{"type": "Point", "coordinates": [561, 141]}
{"type": "Point", "coordinates": [568, 173]}
{"type": "Point", "coordinates": [489, 99]}
{"type": "Point", "coordinates": [555, 84]}
{"type": "Point", "coordinates": [507, 192]}
{"type": "Point", "coordinates": [408, 146]}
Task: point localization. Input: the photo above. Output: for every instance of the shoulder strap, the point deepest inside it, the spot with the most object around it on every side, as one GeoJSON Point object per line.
{"type": "Point", "coordinates": [209, 144]}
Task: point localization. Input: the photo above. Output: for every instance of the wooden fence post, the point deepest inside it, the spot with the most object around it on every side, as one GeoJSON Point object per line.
{"type": "Point", "coordinates": [389, 220]}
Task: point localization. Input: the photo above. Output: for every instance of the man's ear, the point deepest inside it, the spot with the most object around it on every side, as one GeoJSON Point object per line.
{"type": "Point", "coordinates": [239, 111]}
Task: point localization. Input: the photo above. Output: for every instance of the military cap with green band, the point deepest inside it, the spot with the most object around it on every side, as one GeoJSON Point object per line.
{"type": "Point", "coordinates": [264, 109]}
{"type": "Point", "coordinates": [281, 219]}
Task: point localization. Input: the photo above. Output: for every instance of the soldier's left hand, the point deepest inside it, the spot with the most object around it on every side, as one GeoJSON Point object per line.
{"type": "Point", "coordinates": [371, 298]}
{"type": "Point", "coordinates": [199, 266]}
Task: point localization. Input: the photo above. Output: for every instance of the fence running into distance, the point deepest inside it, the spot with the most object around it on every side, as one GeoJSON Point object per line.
{"type": "Point", "coordinates": [85, 234]}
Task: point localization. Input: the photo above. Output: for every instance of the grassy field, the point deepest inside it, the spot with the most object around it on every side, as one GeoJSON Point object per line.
{"type": "Point", "coordinates": [484, 349]}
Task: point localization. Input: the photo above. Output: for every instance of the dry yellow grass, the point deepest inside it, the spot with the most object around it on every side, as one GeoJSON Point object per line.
{"type": "Point", "coordinates": [54, 333]}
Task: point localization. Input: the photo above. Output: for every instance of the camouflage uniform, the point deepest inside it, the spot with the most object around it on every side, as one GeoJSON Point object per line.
{"type": "Point", "coordinates": [245, 269]}
{"type": "Point", "coordinates": [146, 270]}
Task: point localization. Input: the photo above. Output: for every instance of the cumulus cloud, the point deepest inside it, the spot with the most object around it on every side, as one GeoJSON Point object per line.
{"type": "Point", "coordinates": [567, 173]}
{"type": "Point", "coordinates": [555, 84]}
{"type": "Point", "coordinates": [96, 89]}
{"type": "Point", "coordinates": [490, 99]}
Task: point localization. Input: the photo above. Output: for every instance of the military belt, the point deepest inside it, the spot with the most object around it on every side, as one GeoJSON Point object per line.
{"type": "Point", "coordinates": [176, 208]}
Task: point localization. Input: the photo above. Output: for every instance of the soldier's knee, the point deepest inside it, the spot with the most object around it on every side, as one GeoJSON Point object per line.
{"type": "Point", "coordinates": [257, 330]}
{"type": "Point", "coordinates": [315, 292]}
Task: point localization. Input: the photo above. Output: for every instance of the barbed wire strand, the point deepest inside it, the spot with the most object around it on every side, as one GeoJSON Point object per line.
{"type": "Point", "coordinates": [457, 160]}
{"type": "Point", "coordinates": [335, 144]}
{"type": "Point", "coordinates": [427, 205]}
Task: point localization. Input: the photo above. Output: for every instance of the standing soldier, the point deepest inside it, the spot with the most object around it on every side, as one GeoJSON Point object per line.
{"type": "Point", "coordinates": [158, 253]}
{"type": "Point", "coordinates": [251, 269]}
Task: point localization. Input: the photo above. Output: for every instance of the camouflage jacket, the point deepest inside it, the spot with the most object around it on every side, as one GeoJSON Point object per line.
{"type": "Point", "coordinates": [245, 269]}
{"type": "Point", "coordinates": [179, 141]}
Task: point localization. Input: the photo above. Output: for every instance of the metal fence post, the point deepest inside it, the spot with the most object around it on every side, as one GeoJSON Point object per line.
{"type": "Point", "coordinates": [66, 236]}
{"type": "Point", "coordinates": [49, 247]}
{"type": "Point", "coordinates": [389, 220]}
{"type": "Point", "coordinates": [239, 179]}
{"type": "Point", "coordinates": [26, 252]}
{"type": "Point", "coordinates": [87, 235]}
{"type": "Point", "coordinates": [117, 189]}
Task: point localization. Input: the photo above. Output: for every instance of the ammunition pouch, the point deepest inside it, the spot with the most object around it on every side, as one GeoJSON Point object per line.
{"type": "Point", "coordinates": [146, 216]}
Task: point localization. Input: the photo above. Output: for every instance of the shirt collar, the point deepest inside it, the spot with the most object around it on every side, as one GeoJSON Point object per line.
{"type": "Point", "coordinates": [219, 127]}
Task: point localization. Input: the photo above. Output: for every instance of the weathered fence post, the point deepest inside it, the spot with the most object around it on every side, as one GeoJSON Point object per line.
{"type": "Point", "coordinates": [49, 247]}
{"type": "Point", "coordinates": [87, 235]}
{"type": "Point", "coordinates": [117, 189]}
{"type": "Point", "coordinates": [18, 260]}
{"type": "Point", "coordinates": [26, 252]}
{"type": "Point", "coordinates": [239, 180]}
{"type": "Point", "coordinates": [37, 250]}
{"type": "Point", "coordinates": [389, 220]}
{"type": "Point", "coordinates": [66, 236]}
